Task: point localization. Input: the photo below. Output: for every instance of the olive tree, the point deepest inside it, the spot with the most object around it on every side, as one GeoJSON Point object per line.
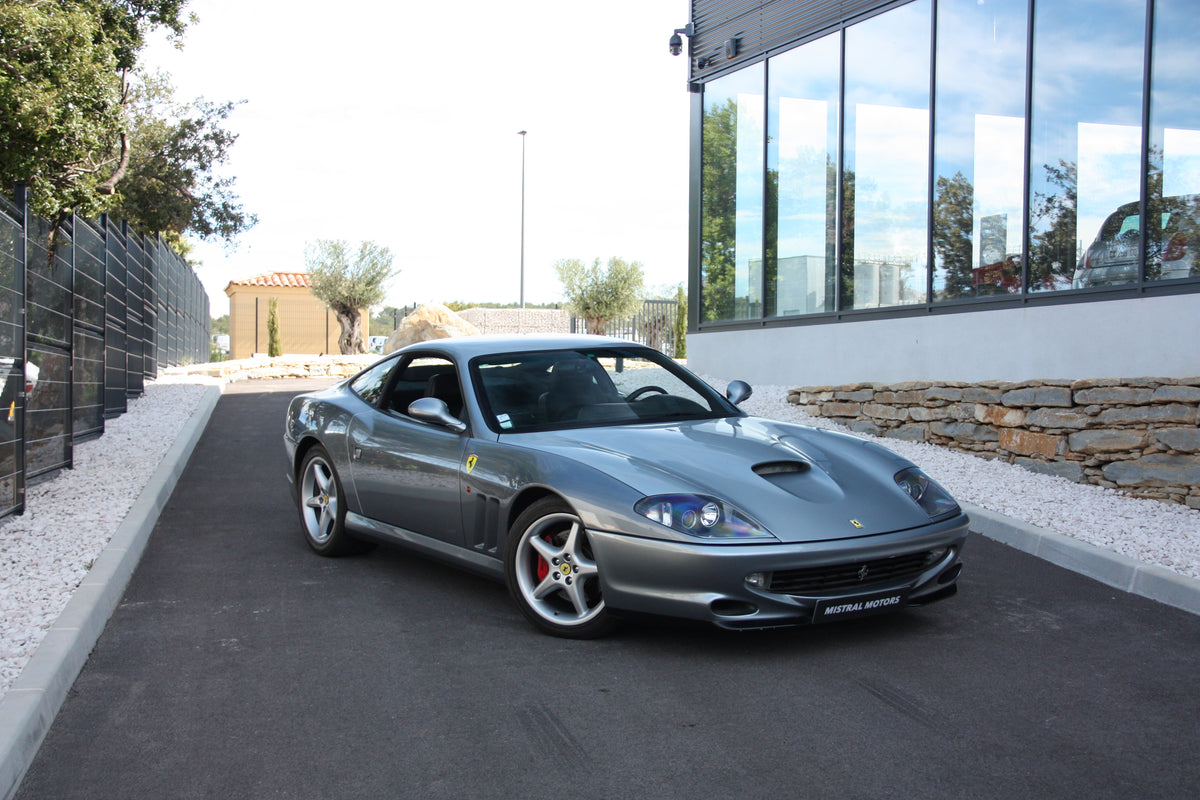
{"type": "Point", "coordinates": [599, 294]}
{"type": "Point", "coordinates": [171, 185]}
{"type": "Point", "coordinates": [348, 283]}
{"type": "Point", "coordinates": [63, 91]}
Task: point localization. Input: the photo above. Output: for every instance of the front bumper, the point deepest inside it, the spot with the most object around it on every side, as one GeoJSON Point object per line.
{"type": "Point", "coordinates": [709, 582]}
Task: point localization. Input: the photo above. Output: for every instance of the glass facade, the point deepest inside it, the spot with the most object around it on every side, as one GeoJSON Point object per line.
{"type": "Point", "coordinates": [1173, 157]}
{"type": "Point", "coordinates": [885, 213]}
{"type": "Point", "coordinates": [951, 151]}
{"type": "Point", "coordinates": [732, 223]}
{"type": "Point", "coordinates": [802, 170]}
{"type": "Point", "coordinates": [1086, 140]}
{"type": "Point", "coordinates": [979, 148]}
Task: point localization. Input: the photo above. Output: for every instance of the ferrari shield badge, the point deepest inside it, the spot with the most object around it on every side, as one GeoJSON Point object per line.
{"type": "Point", "coordinates": [471, 460]}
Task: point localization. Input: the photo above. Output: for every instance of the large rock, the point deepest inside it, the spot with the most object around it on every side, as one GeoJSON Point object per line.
{"type": "Point", "coordinates": [431, 321]}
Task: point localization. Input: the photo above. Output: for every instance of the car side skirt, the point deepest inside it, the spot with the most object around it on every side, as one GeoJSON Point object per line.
{"type": "Point", "coordinates": [477, 562]}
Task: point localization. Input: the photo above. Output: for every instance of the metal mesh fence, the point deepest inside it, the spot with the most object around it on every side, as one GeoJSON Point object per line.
{"type": "Point", "coordinates": [88, 311]}
{"type": "Point", "coordinates": [654, 326]}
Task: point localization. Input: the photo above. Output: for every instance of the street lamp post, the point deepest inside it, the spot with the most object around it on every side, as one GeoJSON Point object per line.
{"type": "Point", "coordinates": [522, 135]}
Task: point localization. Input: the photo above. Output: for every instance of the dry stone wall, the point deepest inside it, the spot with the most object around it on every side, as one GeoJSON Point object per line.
{"type": "Point", "coordinates": [518, 320]}
{"type": "Point", "coordinates": [262, 367]}
{"type": "Point", "coordinates": [1140, 435]}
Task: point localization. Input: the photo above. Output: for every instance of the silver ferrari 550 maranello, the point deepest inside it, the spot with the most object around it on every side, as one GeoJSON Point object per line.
{"type": "Point", "coordinates": [598, 479]}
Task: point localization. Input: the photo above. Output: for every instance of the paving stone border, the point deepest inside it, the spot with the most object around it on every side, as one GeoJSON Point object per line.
{"type": "Point", "coordinates": [1140, 435]}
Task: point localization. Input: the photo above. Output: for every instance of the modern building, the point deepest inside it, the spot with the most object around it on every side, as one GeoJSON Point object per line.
{"type": "Point", "coordinates": [306, 325]}
{"type": "Point", "coordinates": [943, 189]}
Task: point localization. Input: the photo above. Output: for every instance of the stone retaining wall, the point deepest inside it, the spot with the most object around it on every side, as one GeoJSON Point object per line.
{"type": "Point", "coordinates": [518, 320]}
{"type": "Point", "coordinates": [1140, 435]}
{"type": "Point", "coordinates": [278, 367]}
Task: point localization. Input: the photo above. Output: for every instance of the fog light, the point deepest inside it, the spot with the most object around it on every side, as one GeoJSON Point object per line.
{"type": "Point", "coordinates": [758, 580]}
{"type": "Point", "coordinates": [934, 556]}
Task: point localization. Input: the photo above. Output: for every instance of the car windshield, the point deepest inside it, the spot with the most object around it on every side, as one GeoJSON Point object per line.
{"type": "Point", "coordinates": [549, 390]}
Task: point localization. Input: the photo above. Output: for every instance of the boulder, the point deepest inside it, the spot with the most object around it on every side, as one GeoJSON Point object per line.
{"type": "Point", "coordinates": [430, 321]}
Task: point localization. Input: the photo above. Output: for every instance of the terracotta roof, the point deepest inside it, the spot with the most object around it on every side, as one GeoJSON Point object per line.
{"type": "Point", "coordinates": [298, 280]}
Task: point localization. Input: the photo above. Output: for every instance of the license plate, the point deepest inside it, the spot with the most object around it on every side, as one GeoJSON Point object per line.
{"type": "Point", "coordinates": [848, 608]}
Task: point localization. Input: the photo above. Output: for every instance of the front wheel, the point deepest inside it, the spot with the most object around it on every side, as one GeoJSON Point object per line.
{"type": "Point", "coordinates": [551, 573]}
{"type": "Point", "coordinates": [322, 507]}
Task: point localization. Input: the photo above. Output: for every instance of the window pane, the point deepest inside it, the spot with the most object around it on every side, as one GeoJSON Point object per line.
{"type": "Point", "coordinates": [802, 113]}
{"type": "Point", "coordinates": [1174, 176]}
{"type": "Point", "coordinates": [369, 385]}
{"type": "Point", "coordinates": [979, 151]}
{"type": "Point", "coordinates": [1085, 162]}
{"type": "Point", "coordinates": [731, 197]}
{"type": "Point", "coordinates": [885, 192]}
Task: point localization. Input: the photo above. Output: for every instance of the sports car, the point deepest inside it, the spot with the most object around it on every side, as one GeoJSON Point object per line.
{"type": "Point", "coordinates": [599, 479]}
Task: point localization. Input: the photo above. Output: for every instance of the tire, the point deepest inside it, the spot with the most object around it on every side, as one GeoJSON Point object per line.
{"type": "Point", "coordinates": [550, 572]}
{"type": "Point", "coordinates": [322, 506]}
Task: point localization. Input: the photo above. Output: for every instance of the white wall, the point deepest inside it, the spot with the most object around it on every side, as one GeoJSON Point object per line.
{"type": "Point", "coordinates": [1157, 336]}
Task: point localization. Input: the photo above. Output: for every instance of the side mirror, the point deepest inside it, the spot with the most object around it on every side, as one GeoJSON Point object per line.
{"type": "Point", "coordinates": [435, 412]}
{"type": "Point", "coordinates": [738, 391]}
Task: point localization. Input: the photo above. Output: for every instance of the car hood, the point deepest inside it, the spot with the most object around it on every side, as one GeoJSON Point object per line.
{"type": "Point", "coordinates": [802, 484]}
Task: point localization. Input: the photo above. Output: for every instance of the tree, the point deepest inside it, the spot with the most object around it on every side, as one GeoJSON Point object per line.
{"type": "Point", "coordinates": [681, 323]}
{"type": "Point", "coordinates": [386, 319]}
{"type": "Point", "coordinates": [718, 224]}
{"type": "Point", "coordinates": [348, 286]}
{"type": "Point", "coordinates": [274, 346]}
{"type": "Point", "coordinates": [170, 185]}
{"type": "Point", "coordinates": [1052, 223]}
{"type": "Point", "coordinates": [953, 223]}
{"type": "Point", "coordinates": [63, 69]}
{"type": "Point", "coordinates": [600, 294]}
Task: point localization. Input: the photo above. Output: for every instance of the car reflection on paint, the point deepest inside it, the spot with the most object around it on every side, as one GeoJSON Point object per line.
{"type": "Point", "coordinates": [599, 479]}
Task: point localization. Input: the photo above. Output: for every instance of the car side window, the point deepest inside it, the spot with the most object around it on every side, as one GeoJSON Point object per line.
{"type": "Point", "coordinates": [369, 385]}
{"type": "Point", "coordinates": [425, 376]}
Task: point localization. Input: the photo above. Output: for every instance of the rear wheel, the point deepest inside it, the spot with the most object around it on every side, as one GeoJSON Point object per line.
{"type": "Point", "coordinates": [552, 574]}
{"type": "Point", "coordinates": [322, 510]}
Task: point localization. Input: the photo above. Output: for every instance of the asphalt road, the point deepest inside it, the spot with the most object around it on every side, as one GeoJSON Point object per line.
{"type": "Point", "coordinates": [240, 665]}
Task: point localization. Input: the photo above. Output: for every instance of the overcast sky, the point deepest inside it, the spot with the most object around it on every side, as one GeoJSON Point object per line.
{"type": "Point", "coordinates": [398, 123]}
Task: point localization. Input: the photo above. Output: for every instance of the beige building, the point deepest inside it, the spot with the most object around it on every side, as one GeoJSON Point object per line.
{"type": "Point", "coordinates": [306, 325]}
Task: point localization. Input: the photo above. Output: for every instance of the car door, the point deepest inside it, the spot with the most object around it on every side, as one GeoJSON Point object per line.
{"type": "Point", "coordinates": [408, 473]}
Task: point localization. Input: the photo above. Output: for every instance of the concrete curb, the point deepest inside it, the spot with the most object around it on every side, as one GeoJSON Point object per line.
{"type": "Point", "coordinates": [1108, 567]}
{"type": "Point", "coordinates": [30, 705]}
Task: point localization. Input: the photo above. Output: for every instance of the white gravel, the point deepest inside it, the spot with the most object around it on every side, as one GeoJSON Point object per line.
{"type": "Point", "coordinates": [45, 553]}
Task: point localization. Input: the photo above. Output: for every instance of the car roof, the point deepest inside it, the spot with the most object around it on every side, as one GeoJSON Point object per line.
{"type": "Point", "coordinates": [467, 347]}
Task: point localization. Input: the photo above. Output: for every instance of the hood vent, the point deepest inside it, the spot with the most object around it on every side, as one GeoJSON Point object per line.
{"type": "Point", "coordinates": [781, 468]}
{"type": "Point", "coordinates": [801, 479]}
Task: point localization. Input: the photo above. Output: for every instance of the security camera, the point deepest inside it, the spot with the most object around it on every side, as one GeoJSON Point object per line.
{"type": "Point", "coordinates": [677, 42]}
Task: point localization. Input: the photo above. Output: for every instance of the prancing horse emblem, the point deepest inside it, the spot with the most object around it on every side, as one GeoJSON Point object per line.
{"type": "Point", "coordinates": [863, 573]}
{"type": "Point", "coordinates": [856, 523]}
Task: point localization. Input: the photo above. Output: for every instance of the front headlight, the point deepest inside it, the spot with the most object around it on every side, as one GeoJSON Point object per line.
{"type": "Point", "coordinates": [697, 515]}
{"type": "Point", "coordinates": [925, 491]}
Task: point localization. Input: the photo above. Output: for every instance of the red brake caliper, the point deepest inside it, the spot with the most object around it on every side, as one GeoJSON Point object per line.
{"type": "Point", "coordinates": [542, 568]}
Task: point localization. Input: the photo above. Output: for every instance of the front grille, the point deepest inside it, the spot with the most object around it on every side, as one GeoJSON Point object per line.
{"type": "Point", "coordinates": [836, 578]}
